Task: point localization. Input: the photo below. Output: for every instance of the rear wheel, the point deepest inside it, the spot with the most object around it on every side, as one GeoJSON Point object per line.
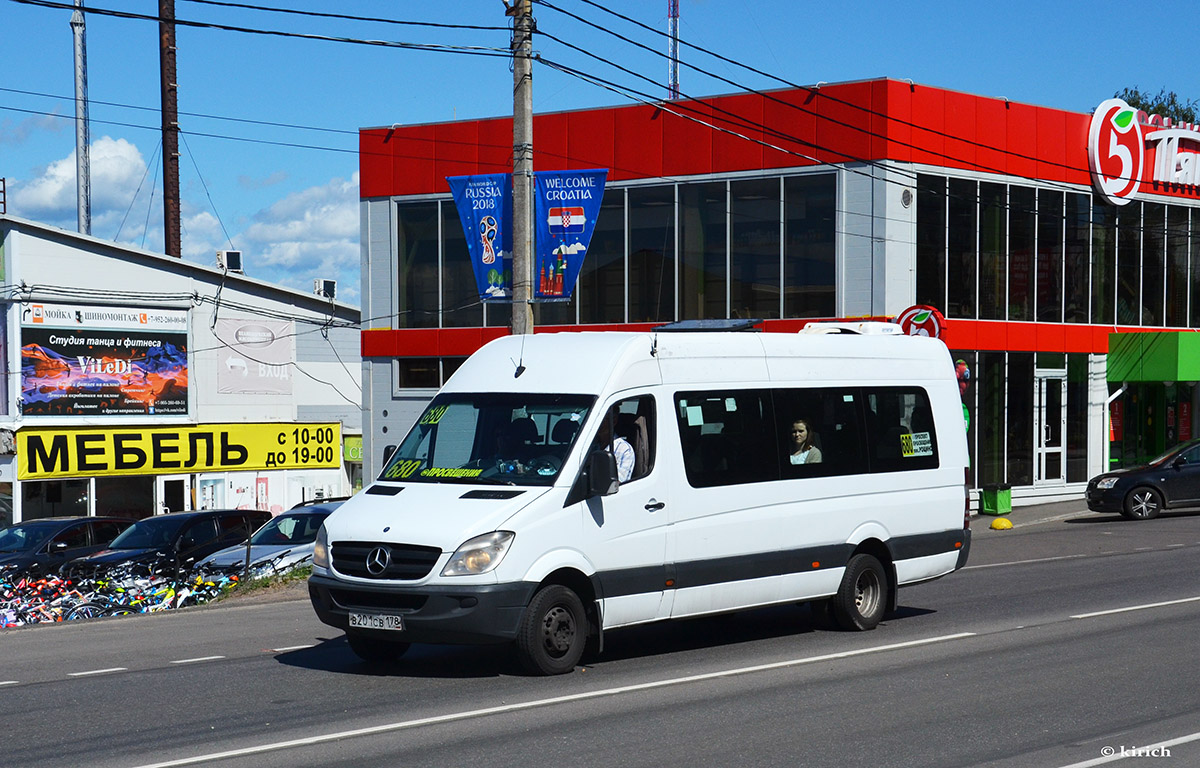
{"type": "Point", "coordinates": [375, 651]}
{"type": "Point", "coordinates": [86, 611]}
{"type": "Point", "coordinates": [1143, 504]}
{"type": "Point", "coordinates": [861, 598]}
{"type": "Point", "coordinates": [553, 632]}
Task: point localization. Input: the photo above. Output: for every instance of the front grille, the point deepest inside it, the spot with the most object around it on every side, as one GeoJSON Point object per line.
{"type": "Point", "coordinates": [406, 562]}
{"type": "Point", "coordinates": [349, 598]}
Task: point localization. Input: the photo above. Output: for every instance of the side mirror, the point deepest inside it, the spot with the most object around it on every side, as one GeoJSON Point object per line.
{"type": "Point", "coordinates": [58, 546]}
{"type": "Point", "coordinates": [1179, 461]}
{"type": "Point", "coordinates": [602, 474]}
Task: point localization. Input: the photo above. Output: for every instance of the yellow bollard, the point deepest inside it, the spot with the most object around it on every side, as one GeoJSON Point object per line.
{"type": "Point", "coordinates": [1000, 524]}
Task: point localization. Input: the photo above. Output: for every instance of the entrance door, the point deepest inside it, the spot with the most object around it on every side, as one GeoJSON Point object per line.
{"type": "Point", "coordinates": [1050, 427]}
{"type": "Point", "coordinates": [172, 493]}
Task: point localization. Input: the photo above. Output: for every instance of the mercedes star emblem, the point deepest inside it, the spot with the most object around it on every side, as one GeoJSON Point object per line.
{"type": "Point", "coordinates": [378, 560]}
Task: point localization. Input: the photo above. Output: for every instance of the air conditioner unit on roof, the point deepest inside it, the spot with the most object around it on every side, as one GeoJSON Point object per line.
{"type": "Point", "coordinates": [230, 261]}
{"type": "Point", "coordinates": [326, 288]}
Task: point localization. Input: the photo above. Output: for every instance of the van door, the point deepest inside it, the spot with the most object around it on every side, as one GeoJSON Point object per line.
{"type": "Point", "coordinates": [625, 534]}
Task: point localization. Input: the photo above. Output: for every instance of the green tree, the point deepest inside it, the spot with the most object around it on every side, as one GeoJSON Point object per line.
{"type": "Point", "coordinates": [1165, 103]}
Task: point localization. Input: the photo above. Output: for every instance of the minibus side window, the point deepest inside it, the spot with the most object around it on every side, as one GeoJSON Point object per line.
{"type": "Point", "coordinates": [634, 421]}
{"type": "Point", "coordinates": [819, 432]}
{"type": "Point", "coordinates": [728, 437]}
{"type": "Point", "coordinates": [900, 432]}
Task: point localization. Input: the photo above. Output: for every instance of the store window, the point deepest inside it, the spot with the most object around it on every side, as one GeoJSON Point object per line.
{"type": "Point", "coordinates": [601, 286]}
{"type": "Point", "coordinates": [961, 259]}
{"type": "Point", "coordinates": [1049, 280]}
{"type": "Point", "coordinates": [417, 266]}
{"type": "Point", "coordinates": [1177, 266]}
{"type": "Point", "coordinates": [1104, 263]}
{"type": "Point", "coordinates": [991, 427]}
{"type": "Point", "coordinates": [461, 306]}
{"type": "Point", "coordinates": [931, 240]}
{"type": "Point", "coordinates": [1020, 418]}
{"type": "Point", "coordinates": [703, 274]}
{"type": "Point", "coordinates": [1154, 262]}
{"type": "Point", "coordinates": [652, 254]}
{"type": "Point", "coordinates": [53, 498]}
{"type": "Point", "coordinates": [1129, 264]}
{"type": "Point", "coordinates": [1022, 228]}
{"type": "Point", "coordinates": [1075, 258]}
{"type": "Point", "coordinates": [809, 257]}
{"type": "Point", "coordinates": [6, 504]}
{"type": "Point", "coordinates": [993, 250]}
{"type": "Point", "coordinates": [754, 249]}
{"type": "Point", "coordinates": [131, 496]}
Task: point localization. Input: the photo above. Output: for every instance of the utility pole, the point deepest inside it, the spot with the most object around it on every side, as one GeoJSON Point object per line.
{"type": "Point", "coordinates": [170, 128]}
{"type": "Point", "coordinates": [83, 163]}
{"type": "Point", "coordinates": [522, 177]}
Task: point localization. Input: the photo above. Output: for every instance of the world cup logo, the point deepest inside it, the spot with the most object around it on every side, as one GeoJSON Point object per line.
{"type": "Point", "coordinates": [1116, 151]}
{"type": "Point", "coordinates": [487, 235]}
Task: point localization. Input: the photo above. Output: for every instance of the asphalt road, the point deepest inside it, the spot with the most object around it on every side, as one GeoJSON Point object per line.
{"type": "Point", "coordinates": [1068, 637]}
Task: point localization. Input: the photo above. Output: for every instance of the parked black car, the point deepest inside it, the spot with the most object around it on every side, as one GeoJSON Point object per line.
{"type": "Point", "coordinates": [173, 541]}
{"type": "Point", "coordinates": [1172, 481]}
{"type": "Point", "coordinates": [38, 547]}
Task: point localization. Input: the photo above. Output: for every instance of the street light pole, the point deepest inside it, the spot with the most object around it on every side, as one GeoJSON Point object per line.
{"type": "Point", "coordinates": [522, 245]}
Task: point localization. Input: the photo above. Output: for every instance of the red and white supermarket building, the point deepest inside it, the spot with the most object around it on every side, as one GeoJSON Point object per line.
{"type": "Point", "coordinates": [1063, 249]}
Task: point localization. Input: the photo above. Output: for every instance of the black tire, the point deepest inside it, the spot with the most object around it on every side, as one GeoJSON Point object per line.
{"type": "Point", "coordinates": [375, 651]}
{"type": "Point", "coordinates": [86, 611]}
{"type": "Point", "coordinates": [862, 597]}
{"type": "Point", "coordinates": [1142, 503]}
{"type": "Point", "coordinates": [553, 632]}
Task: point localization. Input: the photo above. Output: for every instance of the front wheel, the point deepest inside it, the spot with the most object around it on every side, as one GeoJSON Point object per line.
{"type": "Point", "coordinates": [553, 632]}
{"type": "Point", "coordinates": [86, 611]}
{"type": "Point", "coordinates": [375, 651]}
{"type": "Point", "coordinates": [1143, 504]}
{"type": "Point", "coordinates": [861, 598]}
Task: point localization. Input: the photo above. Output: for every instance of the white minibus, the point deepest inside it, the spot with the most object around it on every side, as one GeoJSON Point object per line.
{"type": "Point", "coordinates": [562, 485]}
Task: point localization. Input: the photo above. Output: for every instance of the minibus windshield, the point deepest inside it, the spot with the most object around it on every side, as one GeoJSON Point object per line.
{"type": "Point", "coordinates": [490, 438]}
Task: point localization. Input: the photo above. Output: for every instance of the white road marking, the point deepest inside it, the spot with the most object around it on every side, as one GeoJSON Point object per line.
{"type": "Point", "coordinates": [1147, 749]}
{"type": "Point", "coordinates": [97, 671]}
{"type": "Point", "coordinates": [475, 713]}
{"type": "Point", "coordinates": [1135, 608]}
{"type": "Point", "coordinates": [199, 658]}
{"type": "Point", "coordinates": [9, 682]}
{"type": "Point", "coordinates": [1024, 562]}
{"type": "Point", "coordinates": [289, 648]}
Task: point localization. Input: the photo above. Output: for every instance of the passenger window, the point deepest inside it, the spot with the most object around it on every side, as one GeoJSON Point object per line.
{"type": "Point", "coordinates": [900, 431]}
{"type": "Point", "coordinates": [633, 422]}
{"type": "Point", "coordinates": [820, 432]}
{"type": "Point", "coordinates": [197, 534]}
{"type": "Point", "coordinates": [73, 537]}
{"type": "Point", "coordinates": [105, 531]}
{"type": "Point", "coordinates": [727, 437]}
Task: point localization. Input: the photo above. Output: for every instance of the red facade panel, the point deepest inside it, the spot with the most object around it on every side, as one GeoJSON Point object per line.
{"type": "Point", "coordinates": [793, 124]}
{"type": "Point", "coordinates": [896, 105]}
{"type": "Point", "coordinates": [495, 146]}
{"type": "Point", "coordinates": [550, 143]}
{"type": "Point", "coordinates": [456, 151]}
{"type": "Point", "coordinates": [687, 139]}
{"type": "Point", "coordinates": [991, 135]}
{"type": "Point", "coordinates": [591, 138]}
{"type": "Point", "coordinates": [1022, 144]}
{"type": "Point", "coordinates": [374, 164]}
{"type": "Point", "coordinates": [959, 127]}
{"type": "Point", "coordinates": [929, 125]}
{"type": "Point", "coordinates": [844, 122]}
{"type": "Point", "coordinates": [639, 143]}
{"type": "Point", "coordinates": [1053, 162]}
{"type": "Point", "coordinates": [743, 116]}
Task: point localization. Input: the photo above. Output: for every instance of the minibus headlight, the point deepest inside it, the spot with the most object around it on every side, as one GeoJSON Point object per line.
{"type": "Point", "coordinates": [321, 549]}
{"type": "Point", "coordinates": [479, 555]}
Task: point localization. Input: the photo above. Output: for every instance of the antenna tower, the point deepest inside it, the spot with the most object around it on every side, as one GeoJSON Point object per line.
{"type": "Point", "coordinates": [673, 24]}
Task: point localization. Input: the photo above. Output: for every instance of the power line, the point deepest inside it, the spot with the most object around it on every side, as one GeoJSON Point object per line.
{"type": "Point", "coordinates": [348, 17]}
{"type": "Point", "coordinates": [474, 50]}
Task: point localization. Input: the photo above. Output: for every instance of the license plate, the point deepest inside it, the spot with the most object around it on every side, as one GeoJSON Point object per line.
{"type": "Point", "coordinates": [376, 621]}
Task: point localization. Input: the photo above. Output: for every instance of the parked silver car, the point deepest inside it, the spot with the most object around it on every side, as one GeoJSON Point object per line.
{"type": "Point", "coordinates": [283, 543]}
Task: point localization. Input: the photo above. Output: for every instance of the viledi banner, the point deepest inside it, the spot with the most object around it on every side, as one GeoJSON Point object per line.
{"type": "Point", "coordinates": [484, 205]}
{"type": "Point", "coordinates": [565, 207]}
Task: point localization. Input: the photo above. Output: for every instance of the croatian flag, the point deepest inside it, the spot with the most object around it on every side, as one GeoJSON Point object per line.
{"type": "Point", "coordinates": [566, 221]}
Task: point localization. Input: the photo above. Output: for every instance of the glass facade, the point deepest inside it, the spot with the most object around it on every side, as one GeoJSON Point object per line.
{"type": "Point", "coordinates": [761, 247]}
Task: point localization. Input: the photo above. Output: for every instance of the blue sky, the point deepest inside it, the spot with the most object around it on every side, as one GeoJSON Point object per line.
{"type": "Point", "coordinates": [286, 193]}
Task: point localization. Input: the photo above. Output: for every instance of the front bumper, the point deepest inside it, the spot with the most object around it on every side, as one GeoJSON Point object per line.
{"type": "Point", "coordinates": [1109, 500]}
{"type": "Point", "coordinates": [470, 614]}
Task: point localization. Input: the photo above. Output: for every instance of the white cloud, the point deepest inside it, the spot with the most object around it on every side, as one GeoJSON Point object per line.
{"type": "Point", "coordinates": [116, 169]}
{"type": "Point", "coordinates": [17, 132]}
{"type": "Point", "coordinates": [312, 233]}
